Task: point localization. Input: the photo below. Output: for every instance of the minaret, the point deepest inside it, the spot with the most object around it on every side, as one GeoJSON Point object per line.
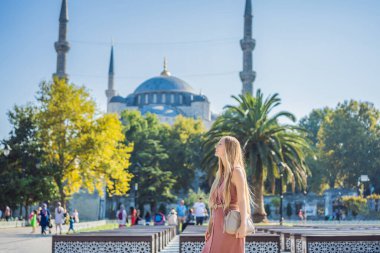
{"type": "Point", "coordinates": [62, 46]}
{"type": "Point", "coordinates": [110, 92]}
{"type": "Point", "coordinates": [247, 76]}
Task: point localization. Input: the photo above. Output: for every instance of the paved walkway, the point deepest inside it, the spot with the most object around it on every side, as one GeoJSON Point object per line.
{"type": "Point", "coordinates": [173, 246]}
{"type": "Point", "coordinates": [20, 240]}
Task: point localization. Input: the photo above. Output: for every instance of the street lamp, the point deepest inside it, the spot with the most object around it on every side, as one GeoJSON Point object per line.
{"type": "Point", "coordinates": [136, 188]}
{"type": "Point", "coordinates": [281, 167]}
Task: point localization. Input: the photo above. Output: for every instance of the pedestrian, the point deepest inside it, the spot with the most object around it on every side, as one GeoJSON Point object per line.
{"type": "Point", "coordinates": [159, 219]}
{"type": "Point", "coordinates": [76, 216]}
{"type": "Point", "coordinates": [59, 218]}
{"type": "Point", "coordinates": [44, 218]}
{"type": "Point", "coordinates": [190, 219]}
{"type": "Point", "coordinates": [229, 191]}
{"type": "Point", "coordinates": [121, 216]}
{"type": "Point", "coordinates": [139, 219]}
{"type": "Point", "coordinates": [181, 213]}
{"type": "Point", "coordinates": [7, 213]}
{"type": "Point", "coordinates": [1, 214]}
{"type": "Point", "coordinates": [300, 214]}
{"type": "Point", "coordinates": [33, 221]}
{"type": "Point", "coordinates": [71, 223]}
{"type": "Point", "coordinates": [172, 218]}
{"type": "Point", "coordinates": [133, 215]}
{"type": "Point", "coordinates": [200, 211]}
{"type": "Point", "coordinates": [148, 218]}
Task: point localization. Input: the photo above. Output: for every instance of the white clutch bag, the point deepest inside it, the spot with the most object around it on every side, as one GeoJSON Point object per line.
{"type": "Point", "coordinates": [232, 223]}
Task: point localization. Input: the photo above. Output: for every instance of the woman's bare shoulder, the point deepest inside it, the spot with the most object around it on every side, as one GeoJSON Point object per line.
{"type": "Point", "coordinates": [237, 175]}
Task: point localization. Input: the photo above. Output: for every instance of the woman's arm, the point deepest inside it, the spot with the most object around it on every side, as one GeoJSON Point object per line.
{"type": "Point", "coordinates": [238, 180]}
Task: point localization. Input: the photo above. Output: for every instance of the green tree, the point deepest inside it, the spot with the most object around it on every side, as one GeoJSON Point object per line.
{"type": "Point", "coordinates": [80, 148]}
{"type": "Point", "coordinates": [349, 142]}
{"type": "Point", "coordinates": [183, 143]}
{"type": "Point", "coordinates": [22, 168]}
{"type": "Point", "coordinates": [145, 133]}
{"type": "Point", "coordinates": [266, 143]}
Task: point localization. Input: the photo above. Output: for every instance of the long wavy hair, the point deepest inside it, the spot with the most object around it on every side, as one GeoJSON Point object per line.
{"type": "Point", "coordinates": [233, 157]}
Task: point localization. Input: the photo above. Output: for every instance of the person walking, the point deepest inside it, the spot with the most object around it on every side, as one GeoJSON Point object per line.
{"type": "Point", "coordinates": [133, 215]}
{"type": "Point", "coordinates": [229, 191]}
{"type": "Point", "coordinates": [148, 218]}
{"type": "Point", "coordinates": [7, 213]}
{"type": "Point", "coordinates": [181, 213]}
{"type": "Point", "coordinates": [172, 218]}
{"type": "Point", "coordinates": [59, 218]}
{"type": "Point", "coordinates": [33, 221]}
{"type": "Point", "coordinates": [200, 211]}
{"type": "Point", "coordinates": [121, 216]}
{"type": "Point", "coordinates": [76, 216]}
{"type": "Point", "coordinates": [44, 218]}
{"type": "Point", "coordinates": [190, 219]}
{"type": "Point", "coordinates": [71, 224]}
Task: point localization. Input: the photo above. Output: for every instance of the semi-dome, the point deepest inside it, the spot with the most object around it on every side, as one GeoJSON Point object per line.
{"type": "Point", "coordinates": [164, 82]}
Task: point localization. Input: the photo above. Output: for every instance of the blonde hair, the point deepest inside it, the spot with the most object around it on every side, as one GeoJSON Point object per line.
{"type": "Point", "coordinates": [233, 157]}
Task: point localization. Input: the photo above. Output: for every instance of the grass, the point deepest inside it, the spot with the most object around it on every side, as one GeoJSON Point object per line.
{"type": "Point", "coordinates": [100, 228]}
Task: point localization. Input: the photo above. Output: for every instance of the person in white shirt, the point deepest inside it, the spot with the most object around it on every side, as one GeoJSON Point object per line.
{"type": "Point", "coordinates": [59, 218]}
{"type": "Point", "coordinates": [200, 211]}
{"type": "Point", "coordinates": [172, 218]}
{"type": "Point", "coordinates": [121, 216]}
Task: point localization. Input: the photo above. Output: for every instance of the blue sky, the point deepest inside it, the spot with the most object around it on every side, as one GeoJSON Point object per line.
{"type": "Point", "coordinates": [314, 53]}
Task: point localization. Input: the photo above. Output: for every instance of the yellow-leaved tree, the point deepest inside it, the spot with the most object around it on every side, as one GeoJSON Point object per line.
{"type": "Point", "coordinates": [81, 148]}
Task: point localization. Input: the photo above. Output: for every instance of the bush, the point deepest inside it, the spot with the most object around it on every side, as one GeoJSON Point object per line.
{"type": "Point", "coordinates": [357, 204]}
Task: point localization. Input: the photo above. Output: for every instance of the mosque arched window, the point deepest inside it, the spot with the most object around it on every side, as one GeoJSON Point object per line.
{"type": "Point", "coordinates": [180, 99]}
{"type": "Point", "coordinates": [154, 98]}
{"type": "Point", "coordinates": [146, 98]}
{"type": "Point", "coordinates": [163, 98]}
{"type": "Point", "coordinates": [172, 98]}
{"type": "Point", "coordinates": [139, 99]}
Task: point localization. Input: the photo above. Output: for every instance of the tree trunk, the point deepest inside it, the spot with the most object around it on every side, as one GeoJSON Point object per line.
{"type": "Point", "coordinates": [259, 214]}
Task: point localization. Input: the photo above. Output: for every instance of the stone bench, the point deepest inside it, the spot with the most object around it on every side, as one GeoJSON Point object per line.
{"type": "Point", "coordinates": [139, 239]}
{"type": "Point", "coordinates": [193, 240]}
{"type": "Point", "coordinates": [328, 238]}
{"type": "Point", "coordinates": [349, 243]}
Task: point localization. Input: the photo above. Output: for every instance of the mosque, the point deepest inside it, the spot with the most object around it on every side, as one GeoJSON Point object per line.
{"type": "Point", "coordinates": [165, 95]}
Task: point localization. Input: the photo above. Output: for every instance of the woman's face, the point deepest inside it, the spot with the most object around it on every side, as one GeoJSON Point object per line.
{"type": "Point", "coordinates": [220, 149]}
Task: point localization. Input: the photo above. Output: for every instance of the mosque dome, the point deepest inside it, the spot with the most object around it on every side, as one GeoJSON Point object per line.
{"type": "Point", "coordinates": [164, 83]}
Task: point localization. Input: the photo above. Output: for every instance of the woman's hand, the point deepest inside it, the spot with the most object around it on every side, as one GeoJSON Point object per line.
{"type": "Point", "coordinates": [240, 233]}
{"type": "Point", "coordinates": [207, 236]}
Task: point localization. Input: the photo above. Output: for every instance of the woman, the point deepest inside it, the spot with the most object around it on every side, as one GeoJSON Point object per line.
{"type": "Point", "coordinates": [228, 192]}
{"type": "Point", "coordinates": [44, 219]}
{"type": "Point", "coordinates": [59, 218]}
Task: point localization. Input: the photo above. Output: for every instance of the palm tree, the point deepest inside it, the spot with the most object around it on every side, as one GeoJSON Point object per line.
{"type": "Point", "coordinates": [265, 141]}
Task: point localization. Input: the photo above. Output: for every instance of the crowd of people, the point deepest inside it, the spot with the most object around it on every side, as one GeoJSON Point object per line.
{"type": "Point", "coordinates": [44, 218]}
{"type": "Point", "coordinates": [181, 216]}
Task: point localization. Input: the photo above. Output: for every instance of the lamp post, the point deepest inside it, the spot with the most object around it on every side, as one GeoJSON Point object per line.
{"type": "Point", "coordinates": [281, 170]}
{"type": "Point", "coordinates": [136, 188]}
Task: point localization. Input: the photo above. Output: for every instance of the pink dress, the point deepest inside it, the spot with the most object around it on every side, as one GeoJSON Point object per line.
{"type": "Point", "coordinates": [218, 241]}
